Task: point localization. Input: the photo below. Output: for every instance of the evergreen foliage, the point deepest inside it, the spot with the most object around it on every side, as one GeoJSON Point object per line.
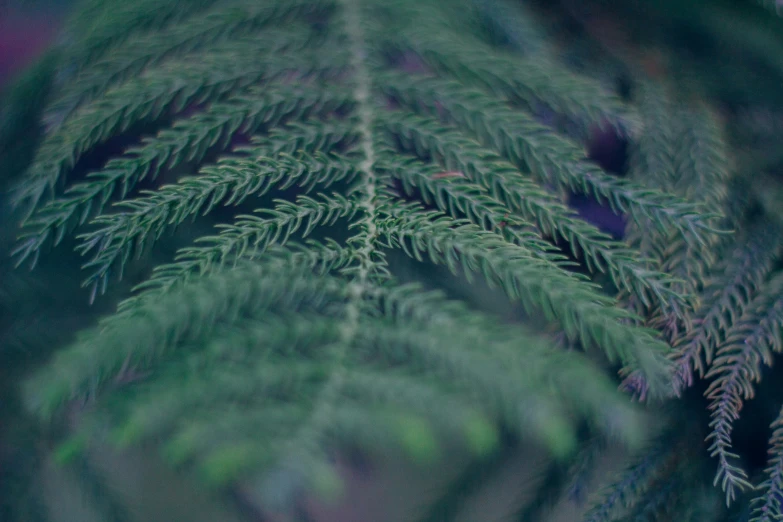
{"type": "Point", "coordinates": [338, 150]}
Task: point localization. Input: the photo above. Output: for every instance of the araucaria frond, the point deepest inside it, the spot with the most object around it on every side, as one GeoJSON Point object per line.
{"type": "Point", "coordinates": [335, 144]}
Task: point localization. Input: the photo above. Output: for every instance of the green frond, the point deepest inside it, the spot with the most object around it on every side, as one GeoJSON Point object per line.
{"type": "Point", "coordinates": [459, 198]}
{"type": "Point", "coordinates": [653, 154]}
{"type": "Point", "coordinates": [499, 372]}
{"type": "Point", "coordinates": [723, 302]}
{"type": "Point", "coordinates": [187, 140]}
{"type": "Point", "coordinates": [733, 283]}
{"type": "Point", "coordinates": [168, 88]}
{"type": "Point", "coordinates": [451, 318]}
{"type": "Point", "coordinates": [681, 151]}
{"type": "Point", "coordinates": [282, 380]}
{"type": "Point", "coordinates": [768, 506]}
{"type": "Point", "coordinates": [310, 136]}
{"type": "Point", "coordinates": [702, 175]}
{"type": "Point", "coordinates": [642, 485]}
{"type": "Point", "coordinates": [704, 167]}
{"type": "Point", "coordinates": [465, 157]}
{"type": "Point", "coordinates": [161, 404]}
{"type": "Point", "coordinates": [432, 364]}
{"type": "Point", "coordinates": [550, 157]}
{"type": "Point", "coordinates": [213, 26]}
{"type": "Point", "coordinates": [100, 26]}
{"type": "Point", "coordinates": [253, 288]}
{"type": "Point", "coordinates": [229, 183]}
{"type": "Point", "coordinates": [536, 81]}
{"type": "Point", "coordinates": [749, 341]}
{"type": "Point", "coordinates": [232, 247]}
{"type": "Point", "coordinates": [584, 314]}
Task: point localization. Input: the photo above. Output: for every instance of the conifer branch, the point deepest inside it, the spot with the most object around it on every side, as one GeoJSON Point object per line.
{"type": "Point", "coordinates": [724, 301]}
{"type": "Point", "coordinates": [649, 469]}
{"type": "Point", "coordinates": [536, 81]}
{"type": "Point", "coordinates": [169, 88]}
{"type": "Point", "coordinates": [365, 243]}
{"type": "Point", "coordinates": [99, 27]}
{"type": "Point", "coordinates": [122, 233]}
{"type": "Point", "coordinates": [212, 27]}
{"type": "Point", "coordinates": [769, 505]}
{"type": "Point", "coordinates": [86, 365]}
{"type": "Point", "coordinates": [749, 341]}
{"type": "Point", "coordinates": [600, 252]}
{"type": "Point", "coordinates": [682, 151]}
{"type": "Point", "coordinates": [550, 157]}
{"type": "Point", "coordinates": [584, 315]}
{"type": "Point", "coordinates": [291, 331]}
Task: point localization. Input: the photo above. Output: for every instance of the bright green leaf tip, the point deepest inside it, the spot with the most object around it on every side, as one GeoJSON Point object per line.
{"type": "Point", "coordinates": [70, 449]}
{"type": "Point", "coordinates": [558, 435]}
{"type": "Point", "coordinates": [481, 436]}
{"type": "Point", "coordinates": [417, 438]}
{"type": "Point", "coordinates": [225, 464]}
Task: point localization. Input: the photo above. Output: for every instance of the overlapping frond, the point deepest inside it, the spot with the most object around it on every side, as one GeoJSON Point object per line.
{"type": "Point", "coordinates": [217, 25]}
{"type": "Point", "coordinates": [465, 157]}
{"type": "Point", "coordinates": [168, 88]}
{"type": "Point", "coordinates": [538, 283]}
{"type": "Point", "coordinates": [229, 183]}
{"type": "Point", "coordinates": [537, 149]}
{"type": "Point", "coordinates": [537, 82]}
{"type": "Point", "coordinates": [655, 485]}
{"type": "Point", "coordinates": [751, 340]}
{"type": "Point", "coordinates": [734, 325]}
{"type": "Point", "coordinates": [681, 151]}
{"type": "Point", "coordinates": [98, 27]}
{"type": "Point", "coordinates": [768, 506]}
{"type": "Point", "coordinates": [187, 140]}
{"type": "Point", "coordinates": [723, 301]}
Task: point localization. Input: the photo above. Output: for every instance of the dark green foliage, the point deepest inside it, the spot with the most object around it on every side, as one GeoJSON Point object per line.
{"type": "Point", "coordinates": [342, 149]}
